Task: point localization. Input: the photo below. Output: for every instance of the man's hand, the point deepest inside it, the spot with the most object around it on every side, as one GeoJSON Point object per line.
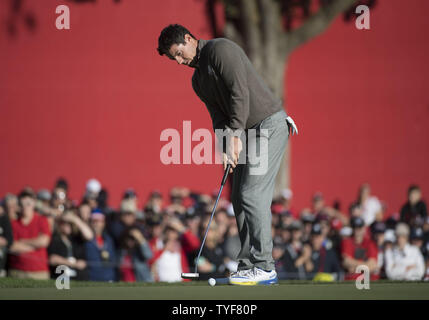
{"type": "Point", "coordinates": [291, 125]}
{"type": "Point", "coordinates": [138, 236]}
{"type": "Point", "coordinates": [234, 147]}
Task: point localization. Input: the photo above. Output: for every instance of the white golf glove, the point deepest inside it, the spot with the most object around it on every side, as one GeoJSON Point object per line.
{"type": "Point", "coordinates": [291, 123]}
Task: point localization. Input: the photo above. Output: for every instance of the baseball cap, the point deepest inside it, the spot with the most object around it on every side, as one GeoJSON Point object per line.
{"type": "Point", "coordinates": [156, 194]}
{"type": "Point", "coordinates": [295, 225]}
{"type": "Point", "coordinates": [389, 235]}
{"type": "Point", "coordinates": [93, 186]}
{"type": "Point", "coordinates": [346, 231]}
{"type": "Point", "coordinates": [378, 227]}
{"type": "Point", "coordinates": [336, 224]}
{"type": "Point", "coordinates": [307, 218]}
{"type": "Point", "coordinates": [357, 222]}
{"type": "Point", "coordinates": [129, 193]}
{"type": "Point", "coordinates": [44, 195]}
{"type": "Point", "coordinates": [97, 215]}
{"type": "Point", "coordinates": [416, 234]}
{"type": "Point", "coordinates": [128, 205]}
{"type": "Point", "coordinates": [316, 229]}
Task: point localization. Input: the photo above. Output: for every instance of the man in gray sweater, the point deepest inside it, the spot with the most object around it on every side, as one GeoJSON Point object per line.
{"type": "Point", "coordinates": [239, 101]}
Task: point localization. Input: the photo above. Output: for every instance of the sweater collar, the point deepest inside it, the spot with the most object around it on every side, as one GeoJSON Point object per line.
{"type": "Point", "coordinates": [200, 46]}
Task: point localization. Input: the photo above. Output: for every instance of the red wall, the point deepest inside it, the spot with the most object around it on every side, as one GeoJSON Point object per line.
{"type": "Point", "coordinates": [92, 102]}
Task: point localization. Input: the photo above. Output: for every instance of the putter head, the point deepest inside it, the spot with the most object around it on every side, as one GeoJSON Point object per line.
{"type": "Point", "coordinates": [190, 275]}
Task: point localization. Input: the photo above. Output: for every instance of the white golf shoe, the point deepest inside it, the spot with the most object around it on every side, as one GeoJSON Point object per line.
{"type": "Point", "coordinates": [253, 277]}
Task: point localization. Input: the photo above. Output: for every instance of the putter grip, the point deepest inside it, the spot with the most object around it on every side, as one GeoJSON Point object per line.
{"type": "Point", "coordinates": [225, 175]}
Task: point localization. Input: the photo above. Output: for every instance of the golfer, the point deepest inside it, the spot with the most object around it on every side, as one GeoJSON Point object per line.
{"type": "Point", "coordinates": [238, 100]}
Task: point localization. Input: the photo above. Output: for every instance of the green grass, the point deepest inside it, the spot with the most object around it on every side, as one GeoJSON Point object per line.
{"type": "Point", "coordinates": [286, 290]}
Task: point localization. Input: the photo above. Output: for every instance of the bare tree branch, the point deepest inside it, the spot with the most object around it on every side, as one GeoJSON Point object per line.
{"type": "Point", "coordinates": [315, 25]}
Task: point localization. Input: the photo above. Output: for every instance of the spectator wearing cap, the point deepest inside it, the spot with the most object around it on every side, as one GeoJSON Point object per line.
{"type": "Point", "coordinates": [307, 220]}
{"type": "Point", "coordinates": [156, 230]}
{"type": "Point", "coordinates": [371, 207]}
{"type": "Point", "coordinates": [359, 250]}
{"type": "Point", "coordinates": [417, 239]}
{"type": "Point", "coordinates": [323, 258]}
{"type": "Point", "coordinates": [67, 247]}
{"type": "Point", "coordinates": [414, 211]}
{"type": "Point", "coordinates": [100, 251]}
{"type": "Point", "coordinates": [296, 257]}
{"type": "Point", "coordinates": [377, 230]}
{"type": "Point", "coordinates": [127, 218]}
{"type": "Point", "coordinates": [285, 200]}
{"type": "Point", "coordinates": [6, 239]}
{"type": "Point", "coordinates": [404, 261]}
{"type": "Point", "coordinates": [31, 236]}
{"type": "Point", "coordinates": [93, 188]}
{"type": "Point", "coordinates": [155, 203]}
{"type": "Point", "coordinates": [134, 255]}
{"type": "Point", "coordinates": [131, 196]}
{"type": "Point", "coordinates": [43, 204]}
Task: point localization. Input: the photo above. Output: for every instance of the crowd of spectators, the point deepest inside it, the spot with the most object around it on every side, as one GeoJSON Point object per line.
{"type": "Point", "coordinates": [158, 238]}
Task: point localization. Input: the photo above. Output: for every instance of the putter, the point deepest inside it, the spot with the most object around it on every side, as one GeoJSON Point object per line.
{"type": "Point", "coordinates": [196, 275]}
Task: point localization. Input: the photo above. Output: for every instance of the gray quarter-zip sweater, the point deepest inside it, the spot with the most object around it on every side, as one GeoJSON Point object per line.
{"type": "Point", "coordinates": [228, 84]}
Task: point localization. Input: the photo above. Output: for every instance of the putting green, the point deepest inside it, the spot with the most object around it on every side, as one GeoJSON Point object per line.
{"type": "Point", "coordinates": [286, 290]}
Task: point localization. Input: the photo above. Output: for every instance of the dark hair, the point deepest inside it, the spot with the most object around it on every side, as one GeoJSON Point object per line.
{"type": "Point", "coordinates": [173, 34]}
{"type": "Point", "coordinates": [26, 193]}
{"type": "Point", "coordinates": [62, 183]}
{"type": "Point", "coordinates": [412, 188]}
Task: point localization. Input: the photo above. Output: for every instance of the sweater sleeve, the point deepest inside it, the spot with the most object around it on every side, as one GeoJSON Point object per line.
{"type": "Point", "coordinates": [227, 59]}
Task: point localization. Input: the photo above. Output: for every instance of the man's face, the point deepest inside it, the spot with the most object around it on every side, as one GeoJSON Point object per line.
{"type": "Point", "coordinates": [184, 53]}
{"type": "Point", "coordinates": [317, 241]}
{"type": "Point", "coordinates": [27, 204]}
{"type": "Point", "coordinates": [359, 232]}
{"type": "Point", "coordinates": [98, 226]}
{"type": "Point", "coordinates": [415, 196]}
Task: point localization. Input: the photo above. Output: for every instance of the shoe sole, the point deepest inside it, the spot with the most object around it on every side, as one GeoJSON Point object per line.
{"type": "Point", "coordinates": [255, 283]}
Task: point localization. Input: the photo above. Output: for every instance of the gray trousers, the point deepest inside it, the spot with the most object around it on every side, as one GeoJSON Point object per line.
{"type": "Point", "coordinates": [252, 194]}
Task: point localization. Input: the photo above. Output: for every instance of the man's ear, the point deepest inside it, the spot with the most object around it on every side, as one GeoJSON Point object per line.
{"type": "Point", "coordinates": [188, 38]}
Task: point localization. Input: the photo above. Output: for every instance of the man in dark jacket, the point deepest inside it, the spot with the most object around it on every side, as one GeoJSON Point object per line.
{"type": "Point", "coordinates": [414, 212]}
{"type": "Point", "coordinates": [242, 109]}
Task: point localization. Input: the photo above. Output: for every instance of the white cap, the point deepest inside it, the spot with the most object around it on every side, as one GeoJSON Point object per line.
{"type": "Point", "coordinates": [93, 186]}
{"type": "Point", "coordinates": [389, 235]}
{"type": "Point", "coordinates": [287, 193]}
{"type": "Point", "coordinates": [346, 231]}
